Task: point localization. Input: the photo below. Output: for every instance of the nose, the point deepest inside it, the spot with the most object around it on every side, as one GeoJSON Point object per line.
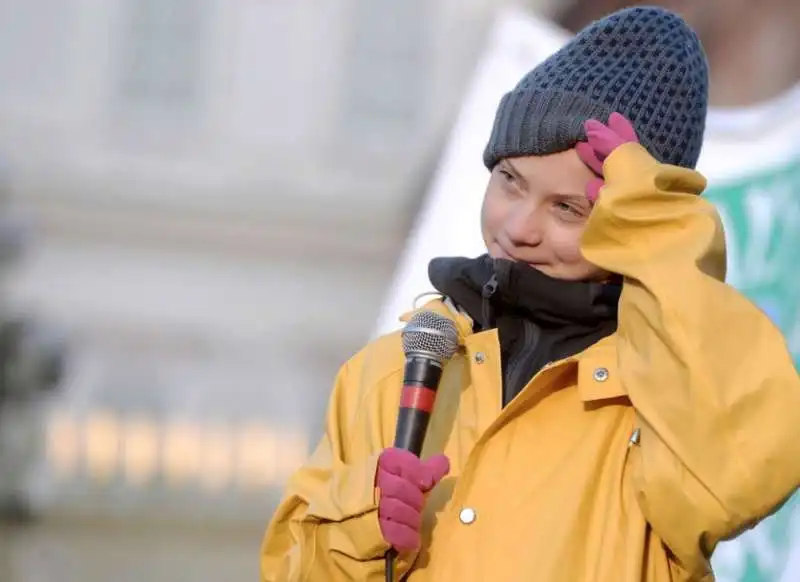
{"type": "Point", "coordinates": [523, 225]}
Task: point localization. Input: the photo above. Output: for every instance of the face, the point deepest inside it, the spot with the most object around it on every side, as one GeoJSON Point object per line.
{"type": "Point", "coordinates": [535, 211]}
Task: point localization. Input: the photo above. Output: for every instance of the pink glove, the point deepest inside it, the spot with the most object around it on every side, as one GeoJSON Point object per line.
{"type": "Point", "coordinates": [403, 479]}
{"type": "Point", "coordinates": [601, 140]}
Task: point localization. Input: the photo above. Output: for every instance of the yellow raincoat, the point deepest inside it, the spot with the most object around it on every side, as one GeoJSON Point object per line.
{"type": "Point", "coordinates": [628, 462]}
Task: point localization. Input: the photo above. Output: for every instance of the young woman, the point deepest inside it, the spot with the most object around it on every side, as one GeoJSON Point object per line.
{"type": "Point", "coordinates": [614, 410]}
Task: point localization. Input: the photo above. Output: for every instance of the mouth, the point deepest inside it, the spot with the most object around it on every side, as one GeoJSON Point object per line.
{"type": "Point", "coordinates": [498, 252]}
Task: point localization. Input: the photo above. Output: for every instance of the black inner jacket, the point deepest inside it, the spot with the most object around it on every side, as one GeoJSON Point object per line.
{"type": "Point", "coordinates": [539, 319]}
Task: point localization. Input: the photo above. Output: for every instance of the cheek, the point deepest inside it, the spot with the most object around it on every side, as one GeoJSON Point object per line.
{"type": "Point", "coordinates": [493, 213]}
{"type": "Point", "coordinates": [565, 241]}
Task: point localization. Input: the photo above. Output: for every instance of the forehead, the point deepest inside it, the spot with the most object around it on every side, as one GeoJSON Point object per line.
{"type": "Point", "coordinates": [563, 171]}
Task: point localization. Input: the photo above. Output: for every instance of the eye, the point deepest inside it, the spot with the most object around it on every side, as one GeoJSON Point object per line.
{"type": "Point", "coordinates": [507, 183]}
{"type": "Point", "coordinates": [570, 211]}
{"type": "Point", "coordinates": [506, 175]}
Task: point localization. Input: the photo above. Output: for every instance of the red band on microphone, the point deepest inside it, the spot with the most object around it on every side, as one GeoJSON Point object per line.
{"type": "Point", "coordinates": [417, 397]}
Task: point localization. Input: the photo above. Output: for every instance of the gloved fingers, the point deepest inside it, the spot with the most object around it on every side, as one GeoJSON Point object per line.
{"type": "Point", "coordinates": [403, 464]}
{"type": "Point", "coordinates": [436, 468]}
{"type": "Point", "coordinates": [400, 537]}
{"type": "Point", "coordinates": [593, 188]}
{"type": "Point", "coordinates": [395, 487]}
{"type": "Point", "coordinates": [622, 127]}
{"type": "Point", "coordinates": [396, 511]}
{"type": "Point", "coordinates": [589, 157]}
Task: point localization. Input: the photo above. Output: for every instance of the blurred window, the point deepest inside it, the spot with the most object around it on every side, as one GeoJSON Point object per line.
{"type": "Point", "coordinates": [387, 71]}
{"type": "Point", "coordinates": [35, 47]}
{"type": "Point", "coordinates": [161, 58]}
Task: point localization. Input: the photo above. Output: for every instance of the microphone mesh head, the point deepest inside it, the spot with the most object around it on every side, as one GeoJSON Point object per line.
{"type": "Point", "coordinates": [430, 334]}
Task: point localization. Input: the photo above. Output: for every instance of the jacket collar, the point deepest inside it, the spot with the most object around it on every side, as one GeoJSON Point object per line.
{"type": "Point", "coordinates": [598, 372]}
{"type": "Point", "coordinates": [443, 306]}
{"type": "Point", "coordinates": [488, 289]}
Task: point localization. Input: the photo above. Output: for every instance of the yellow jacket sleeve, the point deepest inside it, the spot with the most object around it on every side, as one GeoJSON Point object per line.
{"type": "Point", "coordinates": [715, 391]}
{"type": "Point", "coordinates": [326, 527]}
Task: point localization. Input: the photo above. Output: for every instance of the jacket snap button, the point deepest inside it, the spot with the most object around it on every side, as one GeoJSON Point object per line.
{"type": "Point", "coordinates": [601, 374]}
{"type": "Point", "coordinates": [467, 515]}
{"type": "Point", "coordinates": [480, 357]}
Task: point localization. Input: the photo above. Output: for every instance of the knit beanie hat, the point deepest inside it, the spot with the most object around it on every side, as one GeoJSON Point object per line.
{"type": "Point", "coordinates": [644, 62]}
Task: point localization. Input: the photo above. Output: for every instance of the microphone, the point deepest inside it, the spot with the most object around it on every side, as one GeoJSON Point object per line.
{"type": "Point", "coordinates": [429, 341]}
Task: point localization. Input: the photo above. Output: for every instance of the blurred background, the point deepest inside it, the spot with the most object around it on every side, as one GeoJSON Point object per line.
{"type": "Point", "coordinates": [207, 206]}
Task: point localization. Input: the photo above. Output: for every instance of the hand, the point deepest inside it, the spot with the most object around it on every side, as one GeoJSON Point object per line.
{"type": "Point", "coordinates": [403, 479]}
{"type": "Point", "coordinates": [601, 140]}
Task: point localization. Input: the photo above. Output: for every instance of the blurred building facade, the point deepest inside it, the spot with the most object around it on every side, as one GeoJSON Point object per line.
{"type": "Point", "coordinates": [218, 193]}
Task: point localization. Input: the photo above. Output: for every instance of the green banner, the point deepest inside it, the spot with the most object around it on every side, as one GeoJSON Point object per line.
{"type": "Point", "coordinates": [762, 226]}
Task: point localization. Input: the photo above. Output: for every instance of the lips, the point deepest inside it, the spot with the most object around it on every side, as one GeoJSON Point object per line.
{"type": "Point", "coordinates": [498, 252]}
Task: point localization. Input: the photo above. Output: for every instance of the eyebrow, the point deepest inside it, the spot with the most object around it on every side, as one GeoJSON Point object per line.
{"type": "Point", "coordinates": [572, 196]}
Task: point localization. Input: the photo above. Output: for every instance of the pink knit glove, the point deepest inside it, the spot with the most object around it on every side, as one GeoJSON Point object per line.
{"type": "Point", "coordinates": [601, 140]}
{"type": "Point", "coordinates": [403, 479]}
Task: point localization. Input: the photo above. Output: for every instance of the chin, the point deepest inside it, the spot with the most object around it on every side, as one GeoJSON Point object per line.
{"type": "Point", "coordinates": [560, 274]}
{"type": "Point", "coordinates": [547, 270]}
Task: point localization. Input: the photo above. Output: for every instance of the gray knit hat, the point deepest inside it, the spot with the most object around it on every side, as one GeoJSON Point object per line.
{"type": "Point", "coordinates": [644, 62]}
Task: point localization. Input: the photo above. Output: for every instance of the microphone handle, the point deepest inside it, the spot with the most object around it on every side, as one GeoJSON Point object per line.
{"type": "Point", "coordinates": [420, 382]}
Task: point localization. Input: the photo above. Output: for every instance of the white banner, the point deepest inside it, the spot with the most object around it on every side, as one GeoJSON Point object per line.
{"type": "Point", "coordinates": [449, 220]}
